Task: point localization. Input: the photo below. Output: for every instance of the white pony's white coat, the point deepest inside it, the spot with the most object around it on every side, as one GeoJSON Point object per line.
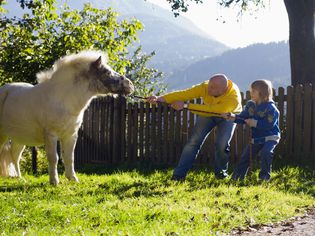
{"type": "Point", "coordinates": [7, 167]}
{"type": "Point", "coordinates": [53, 109]}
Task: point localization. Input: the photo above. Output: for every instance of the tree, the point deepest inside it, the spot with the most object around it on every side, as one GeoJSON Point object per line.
{"type": "Point", "coordinates": [149, 79]}
{"type": "Point", "coordinates": [32, 43]}
{"type": "Point", "coordinates": [301, 14]}
{"type": "Point", "coordinates": [301, 40]}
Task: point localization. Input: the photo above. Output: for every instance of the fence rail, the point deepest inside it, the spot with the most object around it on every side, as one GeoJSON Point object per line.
{"type": "Point", "coordinates": [114, 131]}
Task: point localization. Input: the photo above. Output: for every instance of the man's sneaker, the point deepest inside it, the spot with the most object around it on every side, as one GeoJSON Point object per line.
{"type": "Point", "coordinates": [177, 178]}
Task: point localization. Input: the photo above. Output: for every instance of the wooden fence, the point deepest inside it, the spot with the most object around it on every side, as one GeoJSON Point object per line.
{"type": "Point", "coordinates": [114, 131]}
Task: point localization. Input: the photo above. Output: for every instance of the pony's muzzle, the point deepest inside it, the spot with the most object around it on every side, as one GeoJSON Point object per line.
{"type": "Point", "coordinates": [128, 86]}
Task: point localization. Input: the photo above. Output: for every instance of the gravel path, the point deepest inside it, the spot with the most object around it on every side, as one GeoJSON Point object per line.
{"type": "Point", "coordinates": [297, 226]}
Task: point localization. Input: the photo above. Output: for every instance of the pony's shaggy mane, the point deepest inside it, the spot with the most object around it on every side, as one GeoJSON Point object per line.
{"type": "Point", "coordinates": [80, 60]}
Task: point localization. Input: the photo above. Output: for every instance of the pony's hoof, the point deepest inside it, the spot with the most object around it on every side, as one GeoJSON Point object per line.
{"type": "Point", "coordinates": [54, 182]}
{"type": "Point", "coordinates": [73, 178]}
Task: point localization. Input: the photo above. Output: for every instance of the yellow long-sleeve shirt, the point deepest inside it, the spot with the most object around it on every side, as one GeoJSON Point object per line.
{"type": "Point", "coordinates": [230, 101]}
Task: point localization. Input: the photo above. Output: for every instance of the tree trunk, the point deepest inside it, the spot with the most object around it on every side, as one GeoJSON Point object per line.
{"type": "Point", "coordinates": [301, 40]}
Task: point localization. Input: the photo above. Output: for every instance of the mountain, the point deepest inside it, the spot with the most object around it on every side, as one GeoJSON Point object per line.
{"type": "Point", "coordinates": [176, 41]}
{"type": "Point", "coordinates": [175, 48]}
{"type": "Point", "coordinates": [243, 66]}
{"type": "Point", "coordinates": [138, 8]}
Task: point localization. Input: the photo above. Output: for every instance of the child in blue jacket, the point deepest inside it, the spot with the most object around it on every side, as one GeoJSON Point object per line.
{"type": "Point", "coordinates": [262, 115]}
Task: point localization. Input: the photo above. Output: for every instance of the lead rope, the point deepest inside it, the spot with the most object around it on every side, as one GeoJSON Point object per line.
{"type": "Point", "coordinates": [189, 109]}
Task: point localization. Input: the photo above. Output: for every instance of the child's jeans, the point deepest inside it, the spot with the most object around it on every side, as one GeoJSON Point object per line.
{"type": "Point", "coordinates": [202, 128]}
{"type": "Point", "coordinates": [266, 153]}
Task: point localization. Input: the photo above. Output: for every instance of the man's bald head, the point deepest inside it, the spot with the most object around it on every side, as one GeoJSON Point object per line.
{"type": "Point", "coordinates": [218, 85]}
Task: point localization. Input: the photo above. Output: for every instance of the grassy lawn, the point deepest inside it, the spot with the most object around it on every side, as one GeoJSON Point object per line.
{"type": "Point", "coordinates": [138, 202]}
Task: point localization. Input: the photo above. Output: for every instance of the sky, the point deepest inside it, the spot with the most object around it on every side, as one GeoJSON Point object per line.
{"type": "Point", "coordinates": [269, 24]}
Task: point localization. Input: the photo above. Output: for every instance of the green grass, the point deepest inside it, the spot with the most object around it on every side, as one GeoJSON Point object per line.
{"type": "Point", "coordinates": [148, 203]}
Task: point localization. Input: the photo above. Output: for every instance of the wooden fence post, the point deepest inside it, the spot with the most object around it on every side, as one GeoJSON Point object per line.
{"type": "Point", "coordinates": [172, 158]}
{"type": "Point", "coordinates": [129, 134]}
{"type": "Point", "coordinates": [153, 133]}
{"type": "Point", "coordinates": [280, 104]}
{"type": "Point", "coordinates": [147, 132]}
{"type": "Point", "coordinates": [141, 131]}
{"type": "Point", "coordinates": [289, 121]}
{"type": "Point", "coordinates": [307, 119]}
{"type": "Point", "coordinates": [298, 116]}
{"type": "Point", "coordinates": [117, 137]}
{"type": "Point", "coordinates": [159, 121]}
{"type": "Point", "coordinates": [165, 133]}
{"type": "Point", "coordinates": [177, 134]}
{"type": "Point", "coordinates": [135, 131]}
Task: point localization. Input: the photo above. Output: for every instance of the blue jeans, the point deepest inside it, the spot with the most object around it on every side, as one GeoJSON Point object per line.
{"type": "Point", "coordinates": [266, 153]}
{"type": "Point", "coordinates": [204, 125]}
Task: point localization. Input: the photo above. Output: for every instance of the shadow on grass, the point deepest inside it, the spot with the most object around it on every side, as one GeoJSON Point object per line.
{"type": "Point", "coordinates": [136, 189]}
{"type": "Point", "coordinates": [144, 168]}
{"type": "Point", "coordinates": [155, 180]}
{"type": "Point", "coordinates": [18, 185]}
{"type": "Point", "coordinates": [292, 179]}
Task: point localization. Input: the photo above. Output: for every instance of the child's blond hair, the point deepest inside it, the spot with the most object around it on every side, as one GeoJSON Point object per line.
{"type": "Point", "coordinates": [264, 87]}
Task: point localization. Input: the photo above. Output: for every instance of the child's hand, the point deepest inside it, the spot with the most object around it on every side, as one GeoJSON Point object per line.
{"type": "Point", "coordinates": [251, 122]}
{"type": "Point", "coordinates": [228, 116]}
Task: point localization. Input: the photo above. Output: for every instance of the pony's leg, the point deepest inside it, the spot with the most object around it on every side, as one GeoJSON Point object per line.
{"type": "Point", "coordinates": [16, 153]}
{"type": "Point", "coordinates": [5, 159]}
{"type": "Point", "coordinates": [52, 157]}
{"type": "Point", "coordinates": [67, 147]}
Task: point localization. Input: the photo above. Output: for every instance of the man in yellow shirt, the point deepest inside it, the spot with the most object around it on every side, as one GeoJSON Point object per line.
{"type": "Point", "coordinates": [219, 95]}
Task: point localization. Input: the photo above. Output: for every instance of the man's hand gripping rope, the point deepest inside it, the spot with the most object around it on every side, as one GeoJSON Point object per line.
{"type": "Point", "coordinates": [178, 105]}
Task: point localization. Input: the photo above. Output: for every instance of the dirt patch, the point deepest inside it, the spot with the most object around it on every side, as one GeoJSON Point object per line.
{"type": "Point", "coordinates": [299, 226]}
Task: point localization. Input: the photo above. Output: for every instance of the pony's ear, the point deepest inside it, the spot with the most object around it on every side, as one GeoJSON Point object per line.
{"type": "Point", "coordinates": [97, 64]}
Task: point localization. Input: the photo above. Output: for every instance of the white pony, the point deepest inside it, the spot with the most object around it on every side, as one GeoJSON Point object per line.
{"type": "Point", "coordinates": [53, 109]}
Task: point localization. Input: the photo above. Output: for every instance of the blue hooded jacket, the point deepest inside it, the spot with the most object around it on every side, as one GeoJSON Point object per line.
{"type": "Point", "coordinates": [266, 116]}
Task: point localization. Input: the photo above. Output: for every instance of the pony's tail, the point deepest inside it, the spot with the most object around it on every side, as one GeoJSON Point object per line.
{"type": "Point", "coordinates": [6, 162]}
